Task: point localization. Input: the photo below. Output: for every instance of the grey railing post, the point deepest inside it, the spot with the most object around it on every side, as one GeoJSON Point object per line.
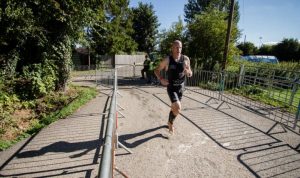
{"type": "Point", "coordinates": [297, 116]}
{"type": "Point", "coordinates": [241, 76]}
{"type": "Point", "coordinates": [294, 90]}
{"type": "Point", "coordinates": [255, 76]}
{"type": "Point", "coordinates": [222, 83]}
{"type": "Point", "coordinates": [96, 74]}
{"type": "Point", "coordinates": [134, 70]}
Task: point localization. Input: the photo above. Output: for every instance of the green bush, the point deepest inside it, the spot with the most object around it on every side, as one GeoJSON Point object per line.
{"type": "Point", "coordinates": [248, 90]}
{"type": "Point", "coordinates": [283, 69]}
{"type": "Point", "coordinates": [37, 81]}
{"type": "Point", "coordinates": [210, 86]}
{"type": "Point", "coordinates": [45, 110]}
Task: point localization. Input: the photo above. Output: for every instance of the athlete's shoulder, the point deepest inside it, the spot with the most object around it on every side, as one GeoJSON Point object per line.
{"type": "Point", "coordinates": [185, 58]}
{"type": "Point", "coordinates": [165, 61]}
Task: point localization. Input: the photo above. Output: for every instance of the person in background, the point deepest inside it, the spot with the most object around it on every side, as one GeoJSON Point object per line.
{"type": "Point", "coordinates": [146, 66]}
{"type": "Point", "coordinates": [177, 67]}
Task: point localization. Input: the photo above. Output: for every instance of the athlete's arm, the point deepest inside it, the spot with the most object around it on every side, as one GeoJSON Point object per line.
{"type": "Point", "coordinates": [162, 66]}
{"type": "Point", "coordinates": [187, 71]}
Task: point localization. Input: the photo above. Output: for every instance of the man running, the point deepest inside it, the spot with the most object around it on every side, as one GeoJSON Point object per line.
{"type": "Point", "coordinates": [177, 67]}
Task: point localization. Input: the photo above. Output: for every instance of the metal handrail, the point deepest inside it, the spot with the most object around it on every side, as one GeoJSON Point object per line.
{"type": "Point", "coordinates": [107, 161]}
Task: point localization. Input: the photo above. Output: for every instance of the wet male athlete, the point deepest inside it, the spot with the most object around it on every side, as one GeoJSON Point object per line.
{"type": "Point", "coordinates": [177, 67]}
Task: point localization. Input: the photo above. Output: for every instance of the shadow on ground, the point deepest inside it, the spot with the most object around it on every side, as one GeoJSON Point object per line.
{"type": "Point", "coordinates": [264, 155]}
{"type": "Point", "coordinates": [64, 147]}
{"type": "Point", "coordinates": [125, 139]}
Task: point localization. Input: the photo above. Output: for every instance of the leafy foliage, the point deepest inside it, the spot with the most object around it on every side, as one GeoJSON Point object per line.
{"type": "Point", "coordinates": [176, 32]}
{"type": "Point", "coordinates": [33, 32]}
{"type": "Point", "coordinates": [112, 32]}
{"type": "Point", "coordinates": [282, 70]}
{"type": "Point", "coordinates": [145, 24]}
{"type": "Point", "coordinates": [198, 7]}
{"type": "Point", "coordinates": [247, 48]}
{"type": "Point", "coordinates": [206, 32]}
{"type": "Point", "coordinates": [206, 40]}
{"type": "Point", "coordinates": [266, 50]}
{"type": "Point", "coordinates": [288, 50]}
{"type": "Point", "coordinates": [19, 119]}
{"type": "Point", "coordinates": [37, 81]}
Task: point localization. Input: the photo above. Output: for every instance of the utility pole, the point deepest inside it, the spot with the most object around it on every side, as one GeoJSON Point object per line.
{"type": "Point", "coordinates": [228, 35]}
{"type": "Point", "coordinates": [260, 38]}
{"type": "Point", "coordinates": [89, 58]}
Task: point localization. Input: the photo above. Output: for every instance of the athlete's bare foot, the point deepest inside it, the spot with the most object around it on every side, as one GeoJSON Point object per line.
{"type": "Point", "coordinates": [171, 128]}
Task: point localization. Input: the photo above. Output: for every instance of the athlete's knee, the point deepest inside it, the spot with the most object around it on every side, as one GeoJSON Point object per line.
{"type": "Point", "coordinates": [176, 107]}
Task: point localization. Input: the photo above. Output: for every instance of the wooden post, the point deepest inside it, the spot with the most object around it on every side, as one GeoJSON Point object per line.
{"type": "Point", "coordinates": [228, 35]}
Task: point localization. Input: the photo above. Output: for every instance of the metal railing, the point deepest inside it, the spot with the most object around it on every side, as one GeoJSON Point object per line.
{"type": "Point", "coordinates": [108, 155]}
{"type": "Point", "coordinates": [235, 88]}
{"type": "Point", "coordinates": [223, 86]}
{"type": "Point", "coordinates": [243, 90]}
{"type": "Point", "coordinates": [107, 165]}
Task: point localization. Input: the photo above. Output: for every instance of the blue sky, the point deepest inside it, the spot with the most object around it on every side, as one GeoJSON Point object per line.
{"type": "Point", "coordinates": [262, 21]}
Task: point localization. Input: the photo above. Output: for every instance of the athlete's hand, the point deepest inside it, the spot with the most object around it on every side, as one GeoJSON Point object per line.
{"type": "Point", "coordinates": [187, 72]}
{"type": "Point", "coordinates": [164, 82]}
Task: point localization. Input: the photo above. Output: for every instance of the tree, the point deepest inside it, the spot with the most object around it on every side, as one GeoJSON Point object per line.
{"type": "Point", "coordinates": [206, 44]}
{"type": "Point", "coordinates": [112, 32]}
{"type": "Point", "coordinates": [266, 50]}
{"type": "Point", "coordinates": [287, 50]}
{"type": "Point", "coordinates": [207, 39]}
{"type": "Point", "coordinates": [18, 30]}
{"type": "Point", "coordinates": [247, 48]}
{"type": "Point", "coordinates": [42, 32]}
{"type": "Point", "coordinates": [176, 32]}
{"type": "Point", "coordinates": [197, 7]}
{"type": "Point", "coordinates": [145, 25]}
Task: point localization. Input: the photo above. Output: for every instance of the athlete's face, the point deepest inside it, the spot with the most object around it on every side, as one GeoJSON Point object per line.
{"type": "Point", "coordinates": [176, 49]}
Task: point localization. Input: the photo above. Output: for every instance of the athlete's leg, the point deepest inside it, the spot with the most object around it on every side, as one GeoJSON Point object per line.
{"type": "Point", "coordinates": [176, 107]}
{"type": "Point", "coordinates": [175, 97]}
{"type": "Point", "coordinates": [175, 110]}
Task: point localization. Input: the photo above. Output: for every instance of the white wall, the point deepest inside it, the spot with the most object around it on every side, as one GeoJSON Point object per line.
{"type": "Point", "coordinates": [129, 59]}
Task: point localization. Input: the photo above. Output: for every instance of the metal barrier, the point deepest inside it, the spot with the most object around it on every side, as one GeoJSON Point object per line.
{"type": "Point", "coordinates": [235, 88]}
{"type": "Point", "coordinates": [130, 71]}
{"type": "Point", "coordinates": [225, 87]}
{"type": "Point", "coordinates": [96, 74]}
{"type": "Point", "coordinates": [107, 165]}
{"type": "Point", "coordinates": [205, 82]}
{"type": "Point", "coordinates": [280, 91]}
{"type": "Point", "coordinates": [107, 161]}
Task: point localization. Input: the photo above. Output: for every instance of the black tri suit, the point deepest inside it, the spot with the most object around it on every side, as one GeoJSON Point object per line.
{"type": "Point", "coordinates": [176, 78]}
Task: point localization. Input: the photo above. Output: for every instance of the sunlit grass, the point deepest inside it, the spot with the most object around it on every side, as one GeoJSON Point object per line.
{"type": "Point", "coordinates": [274, 97]}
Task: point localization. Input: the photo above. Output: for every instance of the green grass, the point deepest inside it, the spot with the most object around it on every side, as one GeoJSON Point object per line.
{"type": "Point", "coordinates": [84, 95]}
{"type": "Point", "coordinates": [284, 96]}
{"type": "Point", "coordinates": [273, 97]}
{"type": "Point", "coordinates": [88, 72]}
{"type": "Point", "coordinates": [85, 72]}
